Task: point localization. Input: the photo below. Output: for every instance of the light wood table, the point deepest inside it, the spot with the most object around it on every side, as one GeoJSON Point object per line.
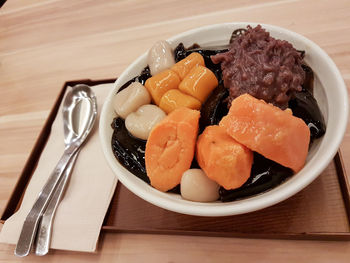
{"type": "Point", "coordinates": [44, 43]}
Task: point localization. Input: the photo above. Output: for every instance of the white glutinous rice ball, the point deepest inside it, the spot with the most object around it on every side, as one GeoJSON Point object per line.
{"type": "Point", "coordinates": [196, 186]}
{"type": "Point", "coordinates": [160, 57]}
{"type": "Point", "coordinates": [130, 99]}
{"type": "Point", "coordinates": [141, 122]}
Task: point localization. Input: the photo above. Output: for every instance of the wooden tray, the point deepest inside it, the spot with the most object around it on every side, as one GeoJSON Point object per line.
{"type": "Point", "coordinates": [321, 211]}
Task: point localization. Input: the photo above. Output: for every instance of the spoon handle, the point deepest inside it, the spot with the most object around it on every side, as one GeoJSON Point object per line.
{"type": "Point", "coordinates": [31, 222]}
{"type": "Point", "coordinates": [44, 233]}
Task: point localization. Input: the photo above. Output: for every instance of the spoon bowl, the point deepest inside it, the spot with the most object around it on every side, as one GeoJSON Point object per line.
{"type": "Point", "coordinates": [79, 113]}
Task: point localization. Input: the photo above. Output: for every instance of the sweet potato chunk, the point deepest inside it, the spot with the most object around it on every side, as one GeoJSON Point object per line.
{"type": "Point", "coordinates": [268, 130]}
{"type": "Point", "coordinates": [222, 158]}
{"type": "Point", "coordinates": [170, 148]}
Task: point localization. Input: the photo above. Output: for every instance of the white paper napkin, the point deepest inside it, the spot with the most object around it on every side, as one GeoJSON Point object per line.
{"type": "Point", "coordinates": [80, 215]}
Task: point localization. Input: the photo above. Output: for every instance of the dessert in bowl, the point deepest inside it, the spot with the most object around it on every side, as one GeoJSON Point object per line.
{"type": "Point", "coordinates": [328, 89]}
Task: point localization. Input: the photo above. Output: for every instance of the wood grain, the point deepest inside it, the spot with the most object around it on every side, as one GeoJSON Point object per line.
{"type": "Point", "coordinates": [45, 43]}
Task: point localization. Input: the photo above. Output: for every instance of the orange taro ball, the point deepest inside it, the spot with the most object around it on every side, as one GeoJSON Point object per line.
{"type": "Point", "coordinates": [199, 83]}
{"type": "Point", "coordinates": [159, 84]}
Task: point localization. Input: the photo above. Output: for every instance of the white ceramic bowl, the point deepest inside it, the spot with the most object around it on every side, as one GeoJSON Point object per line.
{"type": "Point", "coordinates": [330, 92]}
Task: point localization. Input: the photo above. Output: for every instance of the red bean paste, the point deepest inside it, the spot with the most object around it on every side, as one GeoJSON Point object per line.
{"type": "Point", "coordinates": [265, 67]}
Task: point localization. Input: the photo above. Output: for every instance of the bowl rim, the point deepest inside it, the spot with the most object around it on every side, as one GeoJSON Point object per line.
{"type": "Point", "coordinates": [266, 199]}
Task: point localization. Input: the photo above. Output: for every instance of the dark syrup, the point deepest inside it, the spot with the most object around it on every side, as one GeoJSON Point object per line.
{"type": "Point", "coordinates": [130, 151]}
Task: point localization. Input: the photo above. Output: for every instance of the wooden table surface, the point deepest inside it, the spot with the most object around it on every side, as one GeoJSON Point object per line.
{"type": "Point", "coordinates": [45, 43]}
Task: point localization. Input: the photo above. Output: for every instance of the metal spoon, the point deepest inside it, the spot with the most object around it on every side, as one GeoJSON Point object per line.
{"type": "Point", "coordinates": [79, 114]}
{"type": "Point", "coordinates": [71, 130]}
